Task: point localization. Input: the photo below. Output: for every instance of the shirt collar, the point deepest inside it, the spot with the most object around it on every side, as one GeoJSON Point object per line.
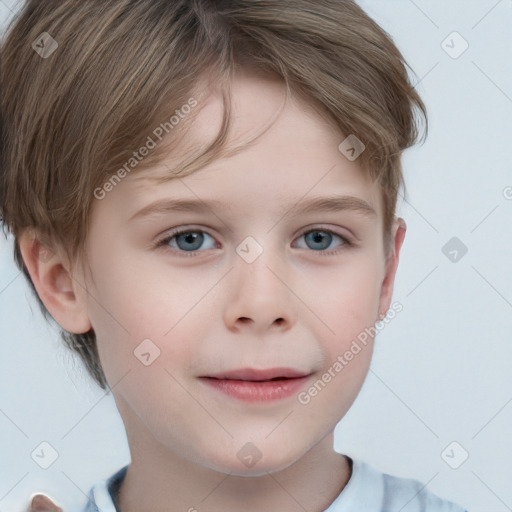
{"type": "Point", "coordinates": [103, 495]}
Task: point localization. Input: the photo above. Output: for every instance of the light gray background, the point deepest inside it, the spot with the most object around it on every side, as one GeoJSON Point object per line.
{"type": "Point", "coordinates": [441, 369]}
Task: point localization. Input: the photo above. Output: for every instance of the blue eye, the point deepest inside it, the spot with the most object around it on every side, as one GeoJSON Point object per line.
{"type": "Point", "coordinates": [321, 239]}
{"type": "Point", "coordinates": [190, 240]}
{"type": "Point", "coordinates": [186, 240]}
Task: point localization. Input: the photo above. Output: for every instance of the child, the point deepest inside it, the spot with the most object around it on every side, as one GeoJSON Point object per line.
{"type": "Point", "coordinates": [262, 129]}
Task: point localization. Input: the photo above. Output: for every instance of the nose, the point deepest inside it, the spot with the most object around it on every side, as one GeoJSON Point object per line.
{"type": "Point", "coordinates": [261, 295]}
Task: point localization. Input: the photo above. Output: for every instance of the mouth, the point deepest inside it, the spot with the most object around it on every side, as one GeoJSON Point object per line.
{"type": "Point", "coordinates": [250, 374]}
{"type": "Point", "coordinates": [253, 385]}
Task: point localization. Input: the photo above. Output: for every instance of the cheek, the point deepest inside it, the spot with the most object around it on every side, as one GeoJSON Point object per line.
{"type": "Point", "coordinates": [349, 310]}
{"type": "Point", "coordinates": [139, 321]}
{"type": "Point", "coordinates": [337, 384]}
{"type": "Point", "coordinates": [351, 297]}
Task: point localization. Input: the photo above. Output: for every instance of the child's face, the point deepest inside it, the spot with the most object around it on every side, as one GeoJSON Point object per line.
{"type": "Point", "coordinates": [210, 309]}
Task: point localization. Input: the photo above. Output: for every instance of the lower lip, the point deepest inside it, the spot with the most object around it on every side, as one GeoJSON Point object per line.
{"type": "Point", "coordinates": [253, 391]}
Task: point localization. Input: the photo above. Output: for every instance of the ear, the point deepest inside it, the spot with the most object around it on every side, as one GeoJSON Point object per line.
{"type": "Point", "coordinates": [61, 293]}
{"type": "Point", "coordinates": [397, 239]}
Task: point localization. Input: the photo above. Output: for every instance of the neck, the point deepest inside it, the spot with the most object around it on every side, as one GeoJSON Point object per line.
{"type": "Point", "coordinates": [163, 483]}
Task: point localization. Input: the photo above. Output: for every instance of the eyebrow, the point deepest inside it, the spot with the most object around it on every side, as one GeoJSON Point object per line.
{"type": "Point", "coordinates": [320, 204]}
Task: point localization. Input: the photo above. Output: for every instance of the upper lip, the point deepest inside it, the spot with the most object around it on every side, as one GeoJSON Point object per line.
{"type": "Point", "coordinates": [257, 375]}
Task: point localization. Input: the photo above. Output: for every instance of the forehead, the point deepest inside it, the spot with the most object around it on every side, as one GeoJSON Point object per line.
{"type": "Point", "coordinates": [297, 156]}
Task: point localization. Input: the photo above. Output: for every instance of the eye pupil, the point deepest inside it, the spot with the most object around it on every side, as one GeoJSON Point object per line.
{"type": "Point", "coordinates": [189, 238]}
{"type": "Point", "coordinates": [319, 237]}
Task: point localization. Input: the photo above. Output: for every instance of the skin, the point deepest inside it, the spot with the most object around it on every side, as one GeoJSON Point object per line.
{"type": "Point", "coordinates": [299, 304]}
{"type": "Point", "coordinates": [42, 503]}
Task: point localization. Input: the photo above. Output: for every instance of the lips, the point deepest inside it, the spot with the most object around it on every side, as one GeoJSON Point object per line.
{"type": "Point", "coordinates": [250, 374]}
{"type": "Point", "coordinates": [263, 386]}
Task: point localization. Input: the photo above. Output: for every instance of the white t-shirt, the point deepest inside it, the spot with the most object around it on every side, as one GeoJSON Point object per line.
{"type": "Point", "coordinates": [368, 490]}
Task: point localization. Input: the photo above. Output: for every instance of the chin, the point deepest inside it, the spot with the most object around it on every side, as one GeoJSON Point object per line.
{"type": "Point", "coordinates": [249, 461]}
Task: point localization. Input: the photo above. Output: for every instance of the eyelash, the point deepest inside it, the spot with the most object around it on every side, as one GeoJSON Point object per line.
{"type": "Point", "coordinates": [162, 243]}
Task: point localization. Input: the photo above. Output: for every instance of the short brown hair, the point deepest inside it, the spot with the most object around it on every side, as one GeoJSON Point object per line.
{"type": "Point", "coordinates": [69, 120]}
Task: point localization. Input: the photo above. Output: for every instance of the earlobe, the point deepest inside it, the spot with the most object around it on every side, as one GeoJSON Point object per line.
{"type": "Point", "coordinates": [397, 239]}
{"type": "Point", "coordinates": [62, 295]}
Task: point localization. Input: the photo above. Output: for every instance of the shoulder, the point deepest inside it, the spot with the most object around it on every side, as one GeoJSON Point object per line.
{"type": "Point", "coordinates": [370, 490]}
{"type": "Point", "coordinates": [408, 495]}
